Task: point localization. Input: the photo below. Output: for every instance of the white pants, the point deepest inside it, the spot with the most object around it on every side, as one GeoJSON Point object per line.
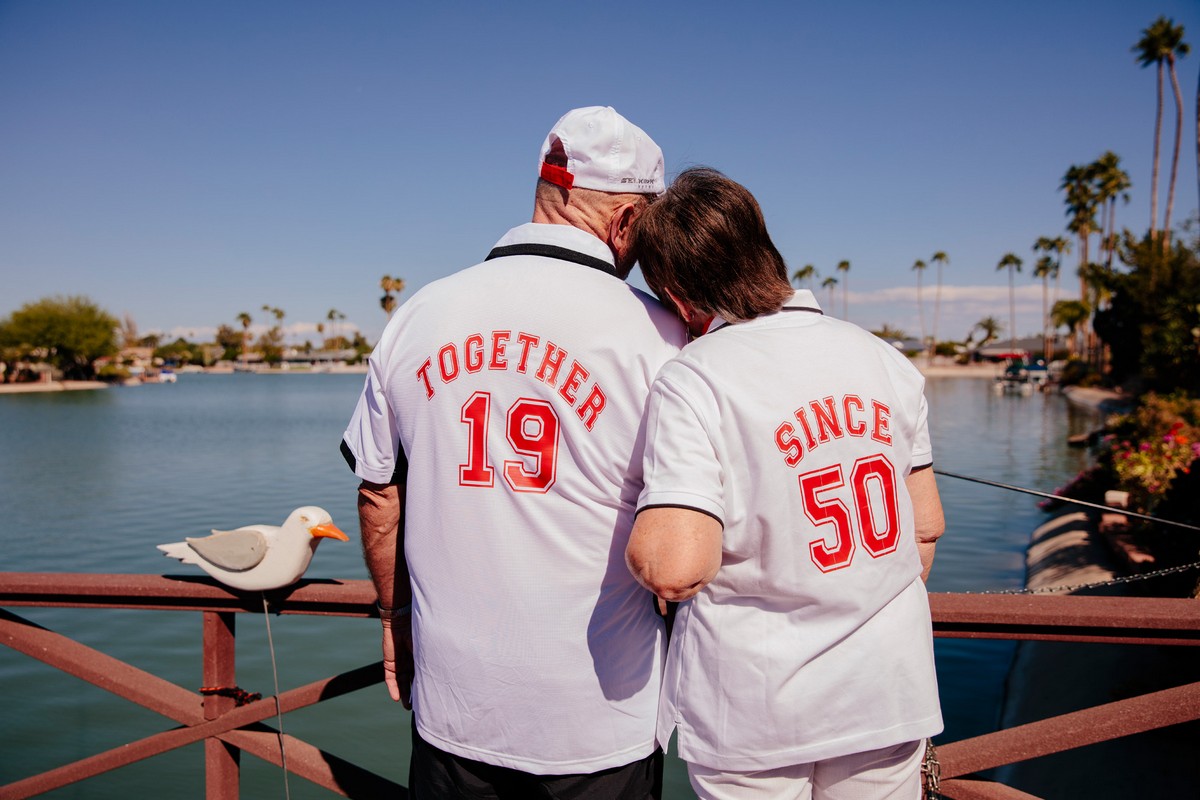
{"type": "Point", "coordinates": [893, 773]}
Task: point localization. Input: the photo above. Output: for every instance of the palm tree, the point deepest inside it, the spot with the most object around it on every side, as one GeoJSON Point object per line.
{"type": "Point", "coordinates": [1013, 265]}
{"type": "Point", "coordinates": [844, 268]}
{"type": "Point", "coordinates": [389, 285]}
{"type": "Point", "coordinates": [1044, 269]}
{"type": "Point", "coordinates": [1081, 208]}
{"type": "Point", "coordinates": [804, 274]}
{"type": "Point", "coordinates": [991, 330]}
{"type": "Point", "coordinates": [919, 268]}
{"type": "Point", "coordinates": [277, 312]}
{"type": "Point", "coordinates": [830, 283]}
{"type": "Point", "coordinates": [1175, 46]}
{"type": "Point", "coordinates": [1159, 45]}
{"type": "Point", "coordinates": [244, 318]}
{"type": "Point", "coordinates": [1070, 314]}
{"type": "Point", "coordinates": [941, 259]}
{"type": "Point", "coordinates": [332, 317]}
{"type": "Point", "coordinates": [1056, 246]}
{"type": "Point", "coordinates": [1110, 182]}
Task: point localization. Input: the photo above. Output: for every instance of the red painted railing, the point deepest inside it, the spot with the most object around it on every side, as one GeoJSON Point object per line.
{"type": "Point", "coordinates": [228, 729]}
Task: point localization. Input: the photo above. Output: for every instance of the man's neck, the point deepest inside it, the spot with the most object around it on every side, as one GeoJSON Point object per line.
{"type": "Point", "coordinates": [576, 216]}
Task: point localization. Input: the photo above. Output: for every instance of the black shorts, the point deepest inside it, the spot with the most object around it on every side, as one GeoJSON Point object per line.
{"type": "Point", "coordinates": [435, 774]}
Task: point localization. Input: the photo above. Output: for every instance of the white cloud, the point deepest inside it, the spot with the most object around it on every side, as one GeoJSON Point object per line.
{"type": "Point", "coordinates": [960, 308]}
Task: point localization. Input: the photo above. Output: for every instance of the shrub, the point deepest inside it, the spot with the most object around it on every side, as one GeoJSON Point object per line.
{"type": "Point", "coordinates": [1151, 447]}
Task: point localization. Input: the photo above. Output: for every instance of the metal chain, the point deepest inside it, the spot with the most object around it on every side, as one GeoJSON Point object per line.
{"type": "Point", "coordinates": [1098, 584]}
{"type": "Point", "coordinates": [931, 773]}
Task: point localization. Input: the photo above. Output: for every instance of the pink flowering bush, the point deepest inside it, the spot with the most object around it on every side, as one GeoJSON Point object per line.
{"type": "Point", "coordinates": [1150, 448]}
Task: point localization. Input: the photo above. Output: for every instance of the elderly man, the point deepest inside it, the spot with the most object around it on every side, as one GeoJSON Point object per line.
{"type": "Point", "coordinates": [499, 443]}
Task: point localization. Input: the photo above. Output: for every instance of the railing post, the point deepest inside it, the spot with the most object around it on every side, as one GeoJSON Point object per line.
{"type": "Point", "coordinates": [221, 761]}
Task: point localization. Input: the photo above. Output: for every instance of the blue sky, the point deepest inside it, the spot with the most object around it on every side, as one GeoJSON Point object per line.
{"type": "Point", "coordinates": [182, 162]}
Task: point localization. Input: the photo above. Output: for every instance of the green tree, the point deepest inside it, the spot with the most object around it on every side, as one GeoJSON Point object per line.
{"type": "Point", "coordinates": [334, 317]}
{"type": "Point", "coordinates": [1080, 188]}
{"type": "Point", "coordinates": [1013, 264]}
{"type": "Point", "coordinates": [230, 341]}
{"type": "Point", "coordinates": [1110, 184]}
{"type": "Point", "coordinates": [179, 352]}
{"type": "Point", "coordinates": [1045, 268]}
{"type": "Point", "coordinates": [990, 327]}
{"type": "Point", "coordinates": [804, 275]}
{"type": "Point", "coordinates": [1152, 325]}
{"type": "Point", "coordinates": [244, 318]}
{"type": "Point", "coordinates": [273, 340]}
{"type": "Point", "coordinates": [389, 285]}
{"type": "Point", "coordinates": [941, 259]}
{"type": "Point", "coordinates": [830, 284]}
{"type": "Point", "coordinates": [919, 268]}
{"type": "Point", "coordinates": [1161, 42]}
{"type": "Point", "coordinates": [1055, 247]}
{"type": "Point", "coordinates": [1070, 314]}
{"type": "Point", "coordinates": [844, 268]}
{"type": "Point", "coordinates": [270, 344]}
{"type": "Point", "coordinates": [67, 332]}
{"type": "Point", "coordinates": [890, 333]}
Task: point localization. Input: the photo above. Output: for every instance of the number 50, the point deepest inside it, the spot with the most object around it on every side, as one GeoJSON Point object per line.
{"type": "Point", "coordinates": [878, 524]}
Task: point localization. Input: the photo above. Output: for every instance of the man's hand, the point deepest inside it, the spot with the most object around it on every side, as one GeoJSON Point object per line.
{"type": "Point", "coordinates": [398, 667]}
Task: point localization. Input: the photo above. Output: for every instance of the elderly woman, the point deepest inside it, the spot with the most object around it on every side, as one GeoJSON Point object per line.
{"type": "Point", "coordinates": [790, 506]}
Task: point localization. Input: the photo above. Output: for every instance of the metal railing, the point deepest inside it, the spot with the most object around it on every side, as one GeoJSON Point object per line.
{"type": "Point", "coordinates": [229, 729]}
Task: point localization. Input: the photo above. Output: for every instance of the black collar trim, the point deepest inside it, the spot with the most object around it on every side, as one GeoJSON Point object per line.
{"type": "Point", "coordinates": [725, 325]}
{"type": "Point", "coordinates": [553, 251]}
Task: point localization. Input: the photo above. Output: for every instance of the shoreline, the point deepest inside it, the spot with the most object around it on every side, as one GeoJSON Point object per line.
{"type": "Point", "coordinates": [51, 386]}
{"type": "Point", "coordinates": [941, 370]}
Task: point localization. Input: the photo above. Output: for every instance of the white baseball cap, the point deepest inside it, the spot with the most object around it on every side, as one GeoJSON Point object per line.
{"type": "Point", "coordinates": [597, 148]}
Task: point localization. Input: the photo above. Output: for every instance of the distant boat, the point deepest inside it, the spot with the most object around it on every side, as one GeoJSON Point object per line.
{"type": "Point", "coordinates": [1020, 378]}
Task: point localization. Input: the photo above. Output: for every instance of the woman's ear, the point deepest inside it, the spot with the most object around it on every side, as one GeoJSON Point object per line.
{"type": "Point", "coordinates": [697, 321]}
{"type": "Point", "coordinates": [682, 308]}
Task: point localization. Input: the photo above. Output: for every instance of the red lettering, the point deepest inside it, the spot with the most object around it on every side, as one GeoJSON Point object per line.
{"type": "Point", "coordinates": [809, 441]}
{"type": "Point", "coordinates": [787, 443]}
{"type": "Point", "coordinates": [576, 376]}
{"type": "Point", "coordinates": [852, 427]}
{"type": "Point", "coordinates": [827, 421]}
{"type": "Point", "coordinates": [473, 350]}
{"type": "Point", "coordinates": [499, 342]}
{"type": "Point", "coordinates": [551, 362]}
{"type": "Point", "coordinates": [449, 371]}
{"type": "Point", "coordinates": [423, 374]}
{"type": "Point", "coordinates": [527, 341]}
{"type": "Point", "coordinates": [591, 408]}
{"type": "Point", "coordinates": [880, 431]}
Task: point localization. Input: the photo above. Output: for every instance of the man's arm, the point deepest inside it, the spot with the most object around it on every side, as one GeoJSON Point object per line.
{"type": "Point", "coordinates": [381, 522]}
{"type": "Point", "coordinates": [674, 552]}
{"type": "Point", "coordinates": [927, 512]}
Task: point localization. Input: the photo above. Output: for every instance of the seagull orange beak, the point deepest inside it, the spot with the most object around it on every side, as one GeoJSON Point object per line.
{"type": "Point", "coordinates": [328, 531]}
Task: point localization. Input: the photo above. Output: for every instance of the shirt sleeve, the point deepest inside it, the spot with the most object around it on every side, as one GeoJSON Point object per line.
{"type": "Point", "coordinates": [922, 446]}
{"type": "Point", "coordinates": [371, 444]}
{"type": "Point", "coordinates": [681, 467]}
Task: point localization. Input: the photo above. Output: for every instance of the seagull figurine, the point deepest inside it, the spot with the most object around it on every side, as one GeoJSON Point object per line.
{"type": "Point", "coordinates": [259, 557]}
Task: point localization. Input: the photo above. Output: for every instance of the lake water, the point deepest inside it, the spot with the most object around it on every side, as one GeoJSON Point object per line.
{"type": "Point", "coordinates": [92, 481]}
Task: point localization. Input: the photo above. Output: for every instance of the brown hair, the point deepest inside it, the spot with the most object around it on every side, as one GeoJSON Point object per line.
{"type": "Point", "coordinates": [706, 242]}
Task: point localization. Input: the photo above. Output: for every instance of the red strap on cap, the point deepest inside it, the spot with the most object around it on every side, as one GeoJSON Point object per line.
{"type": "Point", "coordinates": [559, 176]}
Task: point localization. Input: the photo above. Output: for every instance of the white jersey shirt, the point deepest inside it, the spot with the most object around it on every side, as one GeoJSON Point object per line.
{"type": "Point", "coordinates": [508, 399]}
{"type": "Point", "coordinates": [813, 641]}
